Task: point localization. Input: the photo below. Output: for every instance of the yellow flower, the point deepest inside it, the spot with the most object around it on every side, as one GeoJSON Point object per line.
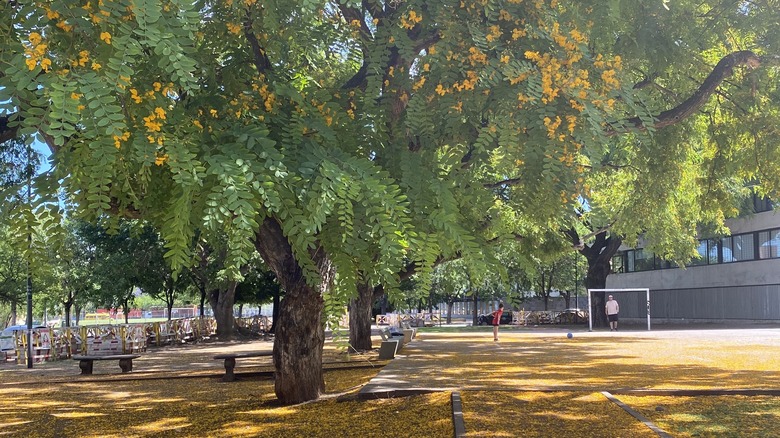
{"type": "Point", "coordinates": [96, 66]}
{"type": "Point", "coordinates": [198, 124]}
{"type": "Point", "coordinates": [31, 63]}
{"type": "Point", "coordinates": [64, 26]}
{"type": "Point", "coordinates": [105, 36]}
{"type": "Point", "coordinates": [75, 96]}
{"type": "Point", "coordinates": [83, 58]}
{"type": "Point", "coordinates": [160, 113]}
{"type": "Point", "coordinates": [35, 38]}
{"type": "Point", "coordinates": [134, 95]}
{"type": "Point", "coordinates": [234, 28]}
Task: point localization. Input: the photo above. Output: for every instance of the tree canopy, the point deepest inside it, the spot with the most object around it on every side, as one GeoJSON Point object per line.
{"type": "Point", "coordinates": [346, 141]}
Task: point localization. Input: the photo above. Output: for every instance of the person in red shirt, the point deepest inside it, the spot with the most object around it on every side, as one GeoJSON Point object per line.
{"type": "Point", "coordinates": [497, 320]}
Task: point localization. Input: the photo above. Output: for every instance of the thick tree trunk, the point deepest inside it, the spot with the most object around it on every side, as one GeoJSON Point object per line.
{"type": "Point", "coordinates": [449, 312]}
{"type": "Point", "coordinates": [300, 334]}
{"type": "Point", "coordinates": [77, 310]}
{"type": "Point", "coordinates": [14, 315]}
{"type": "Point", "coordinates": [222, 301]}
{"type": "Point", "coordinates": [275, 311]}
{"type": "Point", "coordinates": [360, 318]}
{"type": "Point", "coordinates": [599, 256]}
{"type": "Point", "coordinates": [298, 346]}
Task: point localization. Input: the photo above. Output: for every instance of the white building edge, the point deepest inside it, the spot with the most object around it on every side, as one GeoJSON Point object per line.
{"type": "Point", "coordinates": [737, 279]}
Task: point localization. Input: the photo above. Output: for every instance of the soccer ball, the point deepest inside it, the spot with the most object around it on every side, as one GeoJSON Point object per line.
{"type": "Point", "coordinates": [569, 335]}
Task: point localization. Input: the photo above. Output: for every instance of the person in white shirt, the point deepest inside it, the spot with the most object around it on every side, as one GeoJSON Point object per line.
{"type": "Point", "coordinates": [612, 309]}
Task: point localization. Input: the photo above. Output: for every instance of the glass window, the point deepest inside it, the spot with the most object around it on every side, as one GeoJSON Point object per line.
{"type": "Point", "coordinates": [643, 260]}
{"type": "Point", "coordinates": [617, 263]}
{"type": "Point", "coordinates": [702, 250]}
{"type": "Point", "coordinates": [762, 204]}
{"type": "Point", "coordinates": [769, 244]}
{"type": "Point", "coordinates": [712, 251]}
{"type": "Point", "coordinates": [738, 248]}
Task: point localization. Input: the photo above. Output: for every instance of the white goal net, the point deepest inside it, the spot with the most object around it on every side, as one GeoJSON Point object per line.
{"type": "Point", "coordinates": [617, 291]}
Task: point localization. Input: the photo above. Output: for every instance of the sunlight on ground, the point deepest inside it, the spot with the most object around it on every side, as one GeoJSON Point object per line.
{"type": "Point", "coordinates": [500, 404]}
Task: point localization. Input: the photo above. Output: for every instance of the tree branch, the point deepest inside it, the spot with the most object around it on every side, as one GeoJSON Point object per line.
{"type": "Point", "coordinates": [261, 61]}
{"type": "Point", "coordinates": [722, 70]}
{"type": "Point", "coordinates": [506, 182]}
{"type": "Point", "coordinates": [7, 133]}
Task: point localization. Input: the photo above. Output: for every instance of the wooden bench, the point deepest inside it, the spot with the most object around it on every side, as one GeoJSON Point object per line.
{"type": "Point", "coordinates": [230, 361]}
{"type": "Point", "coordinates": [125, 361]}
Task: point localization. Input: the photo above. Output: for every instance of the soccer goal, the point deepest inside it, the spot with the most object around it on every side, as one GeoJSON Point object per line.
{"type": "Point", "coordinates": [616, 291]}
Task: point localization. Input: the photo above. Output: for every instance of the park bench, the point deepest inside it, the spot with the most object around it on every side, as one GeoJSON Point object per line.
{"type": "Point", "coordinates": [408, 331]}
{"type": "Point", "coordinates": [230, 361]}
{"type": "Point", "coordinates": [125, 361]}
{"type": "Point", "coordinates": [391, 343]}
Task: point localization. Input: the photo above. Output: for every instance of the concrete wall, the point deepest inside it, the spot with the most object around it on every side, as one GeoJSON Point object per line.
{"type": "Point", "coordinates": [748, 290]}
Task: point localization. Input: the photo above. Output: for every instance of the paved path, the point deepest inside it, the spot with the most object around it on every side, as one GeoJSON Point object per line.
{"type": "Point", "coordinates": [590, 361]}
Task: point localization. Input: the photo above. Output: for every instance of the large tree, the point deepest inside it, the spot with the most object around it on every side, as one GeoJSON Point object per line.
{"type": "Point", "coordinates": [345, 141]}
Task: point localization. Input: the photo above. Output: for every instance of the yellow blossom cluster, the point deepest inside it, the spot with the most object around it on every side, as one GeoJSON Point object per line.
{"type": "Point", "coordinates": [54, 15]}
{"type": "Point", "coordinates": [494, 34]}
{"type": "Point", "coordinates": [119, 139]}
{"type": "Point", "coordinates": [468, 83]}
{"type": "Point", "coordinates": [234, 28]}
{"type": "Point", "coordinates": [268, 97]}
{"type": "Point", "coordinates": [410, 20]}
{"type": "Point", "coordinates": [153, 122]}
{"type": "Point", "coordinates": [552, 126]}
{"type": "Point", "coordinates": [160, 159]}
{"type": "Point", "coordinates": [35, 51]}
{"type": "Point", "coordinates": [105, 37]}
{"type": "Point", "coordinates": [476, 56]}
{"type": "Point", "coordinates": [82, 61]}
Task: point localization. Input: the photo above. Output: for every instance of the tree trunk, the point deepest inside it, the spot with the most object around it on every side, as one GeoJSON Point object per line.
{"type": "Point", "coordinates": [126, 309]}
{"type": "Point", "coordinates": [599, 256]}
{"type": "Point", "coordinates": [169, 304]}
{"type": "Point", "coordinates": [360, 318]}
{"type": "Point", "coordinates": [202, 306]}
{"type": "Point", "coordinates": [275, 311]}
{"type": "Point", "coordinates": [475, 313]}
{"type": "Point", "coordinates": [67, 306]}
{"type": "Point", "coordinates": [13, 313]}
{"type": "Point", "coordinates": [78, 313]}
{"type": "Point", "coordinates": [221, 301]}
{"type": "Point", "coordinates": [241, 310]}
{"type": "Point", "coordinates": [449, 311]}
{"type": "Point", "coordinates": [300, 334]}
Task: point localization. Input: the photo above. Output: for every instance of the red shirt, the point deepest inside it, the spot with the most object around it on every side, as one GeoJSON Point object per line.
{"type": "Point", "coordinates": [497, 316]}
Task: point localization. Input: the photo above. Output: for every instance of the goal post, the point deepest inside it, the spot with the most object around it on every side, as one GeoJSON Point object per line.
{"type": "Point", "coordinates": [590, 305]}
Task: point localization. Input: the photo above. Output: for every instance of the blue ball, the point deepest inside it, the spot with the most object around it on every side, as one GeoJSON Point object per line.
{"type": "Point", "coordinates": [569, 335]}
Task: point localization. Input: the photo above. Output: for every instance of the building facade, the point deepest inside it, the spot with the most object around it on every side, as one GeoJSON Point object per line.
{"type": "Point", "coordinates": [737, 277]}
